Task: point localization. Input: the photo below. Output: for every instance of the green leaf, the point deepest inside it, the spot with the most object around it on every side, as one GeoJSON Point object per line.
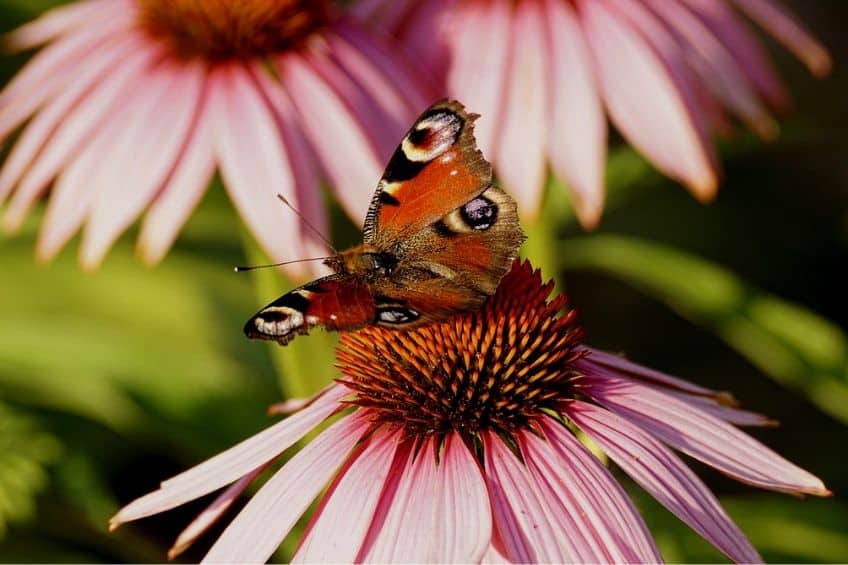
{"type": "Point", "coordinates": [793, 345]}
{"type": "Point", "coordinates": [26, 452]}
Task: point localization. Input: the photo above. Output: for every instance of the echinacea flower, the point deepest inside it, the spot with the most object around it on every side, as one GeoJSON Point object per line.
{"type": "Point", "coordinates": [132, 105]}
{"type": "Point", "coordinates": [546, 74]}
{"type": "Point", "coordinates": [453, 442]}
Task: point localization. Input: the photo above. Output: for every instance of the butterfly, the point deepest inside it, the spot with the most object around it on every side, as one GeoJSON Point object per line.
{"type": "Point", "coordinates": [437, 239]}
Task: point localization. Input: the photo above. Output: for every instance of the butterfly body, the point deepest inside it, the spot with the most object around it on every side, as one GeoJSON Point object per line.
{"type": "Point", "coordinates": [438, 237]}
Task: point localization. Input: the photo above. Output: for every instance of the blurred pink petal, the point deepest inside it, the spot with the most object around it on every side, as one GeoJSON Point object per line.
{"type": "Point", "coordinates": [667, 74]}
{"type": "Point", "coordinates": [140, 165]}
{"type": "Point", "coordinates": [644, 98]}
{"type": "Point", "coordinates": [72, 92]}
{"type": "Point", "coordinates": [256, 532]}
{"type": "Point", "coordinates": [182, 192]}
{"type": "Point", "coordinates": [703, 436]}
{"type": "Point", "coordinates": [350, 504]}
{"type": "Point", "coordinates": [523, 134]}
{"type": "Point", "coordinates": [577, 142]}
{"type": "Point", "coordinates": [664, 476]}
{"type": "Point", "coordinates": [480, 40]}
{"type": "Point", "coordinates": [357, 174]}
{"type": "Point", "coordinates": [80, 126]}
{"type": "Point", "coordinates": [772, 17]}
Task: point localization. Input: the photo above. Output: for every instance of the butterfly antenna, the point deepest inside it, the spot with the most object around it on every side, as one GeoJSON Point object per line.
{"type": "Point", "coordinates": [307, 223]}
{"type": "Point", "coordinates": [252, 267]}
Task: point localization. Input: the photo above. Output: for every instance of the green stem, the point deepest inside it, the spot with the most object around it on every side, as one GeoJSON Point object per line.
{"type": "Point", "coordinates": [305, 365]}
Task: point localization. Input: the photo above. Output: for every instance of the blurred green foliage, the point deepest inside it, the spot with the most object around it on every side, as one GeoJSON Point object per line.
{"type": "Point", "coordinates": [113, 381]}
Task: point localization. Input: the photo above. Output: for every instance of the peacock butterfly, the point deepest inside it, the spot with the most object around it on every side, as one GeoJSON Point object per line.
{"type": "Point", "coordinates": [437, 239]}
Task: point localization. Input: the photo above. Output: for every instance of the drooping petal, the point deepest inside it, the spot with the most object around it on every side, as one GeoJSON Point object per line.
{"type": "Point", "coordinates": [660, 472]}
{"type": "Point", "coordinates": [447, 500]}
{"type": "Point", "coordinates": [236, 462]}
{"type": "Point", "coordinates": [716, 66]}
{"type": "Point", "coordinates": [304, 167]}
{"type": "Point", "coordinates": [253, 160]}
{"type": "Point", "coordinates": [786, 29]}
{"type": "Point", "coordinates": [148, 151]}
{"type": "Point", "coordinates": [577, 141]}
{"type": "Point", "coordinates": [181, 194]}
{"type": "Point", "coordinates": [88, 120]}
{"type": "Point", "coordinates": [263, 523]}
{"type": "Point", "coordinates": [417, 93]}
{"type": "Point", "coordinates": [703, 436]}
{"type": "Point", "coordinates": [520, 154]}
{"type": "Point", "coordinates": [67, 18]}
{"type": "Point", "coordinates": [729, 414]}
{"type": "Point", "coordinates": [349, 504]}
{"type": "Point", "coordinates": [49, 71]}
{"type": "Point", "coordinates": [44, 123]}
{"type": "Point", "coordinates": [422, 38]}
{"type": "Point", "coordinates": [608, 508]}
{"type": "Point", "coordinates": [342, 146]}
{"type": "Point", "coordinates": [525, 524]}
{"type": "Point", "coordinates": [647, 100]}
{"type": "Point", "coordinates": [480, 35]}
{"type": "Point", "coordinates": [212, 513]}
{"type": "Point", "coordinates": [732, 32]}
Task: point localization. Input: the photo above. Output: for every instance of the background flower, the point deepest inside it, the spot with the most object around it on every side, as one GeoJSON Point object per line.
{"type": "Point", "coordinates": [546, 74]}
{"type": "Point", "coordinates": [457, 450]}
{"type": "Point", "coordinates": [132, 105]}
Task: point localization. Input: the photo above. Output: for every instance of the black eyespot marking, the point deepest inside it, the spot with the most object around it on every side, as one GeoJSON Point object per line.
{"type": "Point", "coordinates": [419, 136]}
{"type": "Point", "coordinates": [443, 230]}
{"type": "Point", "coordinates": [386, 198]}
{"type": "Point", "coordinates": [480, 214]}
{"type": "Point", "coordinates": [396, 315]}
{"type": "Point", "coordinates": [401, 168]}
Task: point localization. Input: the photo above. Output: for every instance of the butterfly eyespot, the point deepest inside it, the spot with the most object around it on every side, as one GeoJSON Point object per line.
{"type": "Point", "coordinates": [396, 315]}
{"type": "Point", "coordinates": [480, 213]}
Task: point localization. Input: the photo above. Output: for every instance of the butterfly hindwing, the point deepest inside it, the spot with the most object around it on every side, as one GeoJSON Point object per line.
{"type": "Point", "coordinates": [335, 302]}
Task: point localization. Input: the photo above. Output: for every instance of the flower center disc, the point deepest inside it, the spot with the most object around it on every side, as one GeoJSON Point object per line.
{"type": "Point", "coordinates": [219, 29]}
{"type": "Point", "coordinates": [494, 369]}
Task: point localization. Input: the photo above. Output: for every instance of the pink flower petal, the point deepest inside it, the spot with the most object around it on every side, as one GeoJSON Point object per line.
{"type": "Point", "coordinates": [716, 66]}
{"type": "Point", "coordinates": [702, 436]}
{"type": "Point", "coordinates": [144, 157]}
{"type": "Point", "coordinates": [732, 32]}
{"type": "Point", "coordinates": [186, 185]}
{"type": "Point", "coordinates": [447, 501]}
{"type": "Point", "coordinates": [89, 119]}
{"type": "Point", "coordinates": [492, 555]}
{"type": "Point", "coordinates": [577, 141]}
{"type": "Point", "coordinates": [659, 471]}
{"type": "Point", "coordinates": [304, 167]}
{"type": "Point", "coordinates": [342, 146]}
{"type": "Point", "coordinates": [44, 123]}
{"type": "Point", "coordinates": [646, 98]}
{"type": "Point", "coordinates": [480, 36]}
{"type": "Point", "coordinates": [349, 504]}
{"type": "Point", "coordinates": [525, 524]}
{"type": "Point", "coordinates": [727, 413]}
{"type": "Point", "coordinates": [253, 160]}
{"type": "Point", "coordinates": [607, 509]}
{"type": "Point", "coordinates": [236, 462]}
{"type": "Point", "coordinates": [48, 72]}
{"type": "Point", "coordinates": [786, 29]}
{"type": "Point", "coordinates": [421, 37]}
{"type": "Point", "coordinates": [386, 15]}
{"type": "Point", "coordinates": [68, 18]}
{"type": "Point", "coordinates": [212, 513]}
{"type": "Point", "coordinates": [520, 155]}
{"type": "Point", "coordinates": [261, 526]}
{"type": "Point", "coordinates": [417, 93]}
{"type": "Point", "coordinates": [632, 370]}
